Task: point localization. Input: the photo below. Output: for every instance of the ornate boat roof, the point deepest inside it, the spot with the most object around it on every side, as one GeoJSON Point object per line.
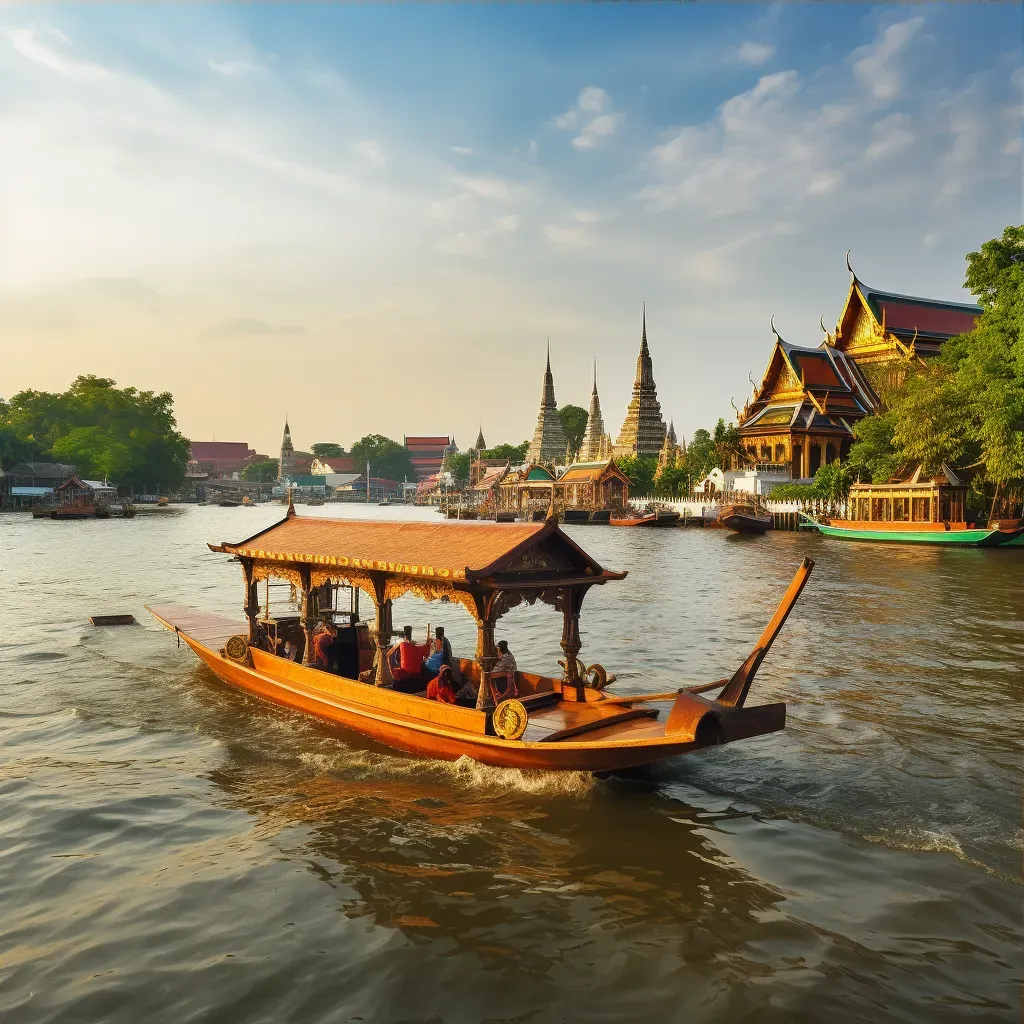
{"type": "Point", "coordinates": [588, 472]}
{"type": "Point", "coordinates": [524, 553]}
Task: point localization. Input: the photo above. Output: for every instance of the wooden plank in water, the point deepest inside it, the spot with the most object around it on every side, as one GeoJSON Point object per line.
{"type": "Point", "coordinates": [112, 620]}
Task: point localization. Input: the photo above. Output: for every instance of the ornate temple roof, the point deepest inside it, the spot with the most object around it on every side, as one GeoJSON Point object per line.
{"type": "Point", "coordinates": [819, 388]}
{"type": "Point", "coordinates": [643, 431]}
{"type": "Point", "coordinates": [918, 325]}
{"type": "Point", "coordinates": [549, 440]}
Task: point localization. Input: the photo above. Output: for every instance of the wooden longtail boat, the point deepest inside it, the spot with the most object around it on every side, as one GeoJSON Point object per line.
{"type": "Point", "coordinates": [745, 517]}
{"type": "Point", "coordinates": [661, 517]}
{"type": "Point", "coordinates": [570, 722]}
{"type": "Point", "coordinates": [962, 534]}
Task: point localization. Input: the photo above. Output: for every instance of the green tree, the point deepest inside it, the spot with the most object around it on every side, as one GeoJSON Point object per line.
{"type": "Point", "coordinates": [13, 447]}
{"type": "Point", "coordinates": [328, 450]}
{"type": "Point", "coordinates": [262, 471]}
{"type": "Point", "coordinates": [574, 423]}
{"type": "Point", "coordinates": [514, 453]}
{"type": "Point", "coordinates": [671, 481]}
{"type": "Point", "coordinates": [641, 470]}
{"type": "Point", "coordinates": [700, 455]}
{"type": "Point", "coordinates": [458, 463]}
{"type": "Point", "coordinates": [122, 434]}
{"type": "Point", "coordinates": [387, 458]}
{"type": "Point", "coordinates": [965, 408]}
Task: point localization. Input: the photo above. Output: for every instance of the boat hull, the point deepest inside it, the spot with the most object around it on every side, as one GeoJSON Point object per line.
{"type": "Point", "coordinates": [912, 533]}
{"type": "Point", "coordinates": [742, 522]}
{"type": "Point", "coordinates": [441, 731]}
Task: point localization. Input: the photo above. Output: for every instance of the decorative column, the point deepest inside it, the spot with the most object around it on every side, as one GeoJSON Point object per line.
{"type": "Point", "coordinates": [308, 615]}
{"type": "Point", "coordinates": [805, 458]}
{"type": "Point", "coordinates": [571, 600]}
{"type": "Point", "coordinates": [252, 598]}
{"type": "Point", "coordinates": [383, 675]}
{"type": "Point", "coordinates": [486, 653]}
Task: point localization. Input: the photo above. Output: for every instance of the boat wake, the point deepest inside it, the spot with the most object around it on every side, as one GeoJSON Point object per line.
{"type": "Point", "coordinates": [465, 773]}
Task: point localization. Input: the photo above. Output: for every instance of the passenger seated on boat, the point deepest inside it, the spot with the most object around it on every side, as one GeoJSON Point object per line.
{"type": "Point", "coordinates": [323, 644]}
{"type": "Point", "coordinates": [440, 655]}
{"type": "Point", "coordinates": [502, 678]}
{"type": "Point", "coordinates": [406, 661]}
{"type": "Point", "coordinates": [442, 688]}
{"type": "Point", "coordinates": [289, 651]}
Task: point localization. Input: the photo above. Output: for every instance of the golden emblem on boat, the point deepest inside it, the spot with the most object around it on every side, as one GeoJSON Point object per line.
{"type": "Point", "coordinates": [237, 648]}
{"type": "Point", "coordinates": [510, 719]}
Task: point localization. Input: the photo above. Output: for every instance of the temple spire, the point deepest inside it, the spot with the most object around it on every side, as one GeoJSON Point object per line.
{"type": "Point", "coordinates": [643, 431]}
{"type": "Point", "coordinates": [286, 463]}
{"type": "Point", "coordinates": [592, 446]}
{"type": "Point", "coordinates": [549, 440]}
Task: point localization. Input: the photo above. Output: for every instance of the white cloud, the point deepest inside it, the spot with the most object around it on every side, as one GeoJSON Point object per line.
{"type": "Point", "coordinates": [532, 149]}
{"type": "Point", "coordinates": [231, 68]}
{"type": "Point", "coordinates": [27, 42]}
{"type": "Point", "coordinates": [755, 54]}
{"type": "Point", "coordinates": [823, 182]}
{"type": "Point", "coordinates": [370, 151]}
{"type": "Point", "coordinates": [462, 150]}
{"type": "Point", "coordinates": [598, 130]}
{"type": "Point", "coordinates": [486, 186]}
{"type": "Point", "coordinates": [591, 116]}
{"type": "Point", "coordinates": [878, 65]}
{"type": "Point", "coordinates": [890, 137]}
{"type": "Point", "coordinates": [483, 241]}
{"type": "Point", "coordinates": [587, 216]}
{"type": "Point", "coordinates": [562, 234]}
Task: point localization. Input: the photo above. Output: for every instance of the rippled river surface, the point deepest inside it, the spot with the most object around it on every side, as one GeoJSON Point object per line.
{"type": "Point", "coordinates": [172, 850]}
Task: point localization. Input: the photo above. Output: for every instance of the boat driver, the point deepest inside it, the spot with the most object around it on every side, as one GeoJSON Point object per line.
{"type": "Point", "coordinates": [323, 644]}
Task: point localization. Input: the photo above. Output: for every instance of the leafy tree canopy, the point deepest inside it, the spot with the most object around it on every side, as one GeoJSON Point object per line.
{"type": "Point", "coordinates": [574, 423]}
{"type": "Point", "coordinates": [641, 470]}
{"type": "Point", "coordinates": [328, 450]}
{"type": "Point", "coordinates": [457, 463]}
{"type": "Point", "coordinates": [514, 453]}
{"type": "Point", "coordinates": [387, 458]}
{"type": "Point", "coordinates": [262, 470]}
{"type": "Point", "coordinates": [965, 408]}
{"type": "Point", "coordinates": [831, 483]}
{"type": "Point", "coordinates": [124, 435]}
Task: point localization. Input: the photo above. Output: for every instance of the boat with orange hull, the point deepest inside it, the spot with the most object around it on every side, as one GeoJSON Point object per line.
{"type": "Point", "coordinates": [658, 517]}
{"type": "Point", "coordinates": [570, 722]}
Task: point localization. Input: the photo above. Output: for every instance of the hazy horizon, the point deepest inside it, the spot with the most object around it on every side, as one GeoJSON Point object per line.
{"type": "Point", "coordinates": [373, 217]}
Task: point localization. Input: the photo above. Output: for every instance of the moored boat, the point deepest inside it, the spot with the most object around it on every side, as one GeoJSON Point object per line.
{"type": "Point", "coordinates": [656, 517]}
{"type": "Point", "coordinates": [745, 517]}
{"type": "Point", "coordinates": [914, 509]}
{"type": "Point", "coordinates": [567, 722]}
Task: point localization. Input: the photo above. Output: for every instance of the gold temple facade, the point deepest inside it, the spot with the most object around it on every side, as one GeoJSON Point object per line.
{"type": "Point", "coordinates": [803, 413]}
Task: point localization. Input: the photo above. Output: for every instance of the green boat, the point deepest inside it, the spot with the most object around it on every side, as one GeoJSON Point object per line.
{"type": "Point", "coordinates": [916, 508]}
{"type": "Point", "coordinates": [978, 537]}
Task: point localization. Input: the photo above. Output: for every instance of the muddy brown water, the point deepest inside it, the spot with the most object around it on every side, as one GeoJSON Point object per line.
{"type": "Point", "coordinates": [172, 850]}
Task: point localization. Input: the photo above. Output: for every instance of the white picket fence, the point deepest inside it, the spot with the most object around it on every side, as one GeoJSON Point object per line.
{"type": "Point", "coordinates": [708, 507]}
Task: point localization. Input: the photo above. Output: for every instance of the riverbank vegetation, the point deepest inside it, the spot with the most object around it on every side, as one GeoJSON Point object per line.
{"type": "Point", "coordinates": [965, 408]}
{"type": "Point", "coordinates": [120, 434]}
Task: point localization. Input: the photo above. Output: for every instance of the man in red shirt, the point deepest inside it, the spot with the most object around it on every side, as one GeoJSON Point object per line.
{"type": "Point", "coordinates": [406, 661]}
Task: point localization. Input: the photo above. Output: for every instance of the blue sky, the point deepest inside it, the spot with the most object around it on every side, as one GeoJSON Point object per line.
{"type": "Point", "coordinates": [375, 215]}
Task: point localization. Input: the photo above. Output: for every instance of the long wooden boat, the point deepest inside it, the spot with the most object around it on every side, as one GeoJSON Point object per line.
{"type": "Point", "coordinates": [745, 517]}
{"type": "Point", "coordinates": [567, 722]}
{"type": "Point", "coordinates": [662, 517]}
{"type": "Point", "coordinates": [962, 534]}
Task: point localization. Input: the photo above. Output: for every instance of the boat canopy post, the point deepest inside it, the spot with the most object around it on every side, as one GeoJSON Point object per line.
{"type": "Point", "coordinates": [384, 629]}
{"type": "Point", "coordinates": [252, 597]}
{"type": "Point", "coordinates": [486, 653]}
{"type": "Point", "coordinates": [571, 602]}
{"type": "Point", "coordinates": [308, 615]}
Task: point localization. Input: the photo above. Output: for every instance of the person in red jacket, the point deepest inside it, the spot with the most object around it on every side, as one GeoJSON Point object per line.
{"type": "Point", "coordinates": [406, 661]}
{"type": "Point", "coordinates": [442, 688]}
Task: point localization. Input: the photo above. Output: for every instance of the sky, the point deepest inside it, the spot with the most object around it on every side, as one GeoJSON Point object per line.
{"type": "Point", "coordinates": [372, 217]}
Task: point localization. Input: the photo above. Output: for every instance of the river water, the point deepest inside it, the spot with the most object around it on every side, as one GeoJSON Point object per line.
{"type": "Point", "coordinates": [172, 850]}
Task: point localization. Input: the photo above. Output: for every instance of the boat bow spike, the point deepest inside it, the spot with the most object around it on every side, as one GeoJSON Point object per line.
{"type": "Point", "coordinates": [735, 692]}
